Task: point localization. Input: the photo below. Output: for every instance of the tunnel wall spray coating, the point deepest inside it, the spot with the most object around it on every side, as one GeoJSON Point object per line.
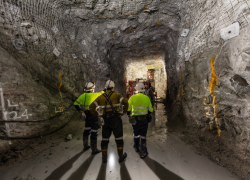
{"type": "Point", "coordinates": [215, 81]}
{"type": "Point", "coordinates": [90, 42]}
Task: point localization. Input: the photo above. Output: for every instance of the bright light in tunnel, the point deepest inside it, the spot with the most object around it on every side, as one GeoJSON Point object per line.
{"type": "Point", "coordinates": [138, 68]}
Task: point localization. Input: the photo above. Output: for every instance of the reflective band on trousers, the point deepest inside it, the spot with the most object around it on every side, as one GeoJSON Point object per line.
{"type": "Point", "coordinates": [120, 138]}
{"type": "Point", "coordinates": [92, 130]}
{"type": "Point", "coordinates": [136, 137]}
{"type": "Point", "coordinates": [142, 107]}
{"type": "Point", "coordinates": [108, 106]}
{"type": "Point", "coordinates": [105, 139]}
{"type": "Point", "coordinates": [87, 128]}
{"type": "Point", "coordinates": [135, 112]}
{"type": "Point", "coordinates": [143, 137]}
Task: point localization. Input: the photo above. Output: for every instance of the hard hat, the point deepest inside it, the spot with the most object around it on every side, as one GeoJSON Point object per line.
{"type": "Point", "coordinates": [140, 87]}
{"type": "Point", "coordinates": [110, 84]}
{"type": "Point", "coordinates": [89, 86]}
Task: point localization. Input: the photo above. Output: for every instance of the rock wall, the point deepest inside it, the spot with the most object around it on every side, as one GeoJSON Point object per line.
{"type": "Point", "coordinates": [214, 81]}
{"type": "Point", "coordinates": [50, 49]}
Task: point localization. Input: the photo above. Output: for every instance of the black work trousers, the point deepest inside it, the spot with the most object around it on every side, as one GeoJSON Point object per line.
{"type": "Point", "coordinates": [91, 126]}
{"type": "Point", "coordinates": [112, 124]}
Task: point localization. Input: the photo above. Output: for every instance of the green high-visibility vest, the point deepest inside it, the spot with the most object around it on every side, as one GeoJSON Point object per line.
{"type": "Point", "coordinates": [86, 99]}
{"type": "Point", "coordinates": [140, 104]}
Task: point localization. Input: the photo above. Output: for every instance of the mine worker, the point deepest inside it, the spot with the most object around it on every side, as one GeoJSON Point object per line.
{"type": "Point", "coordinates": [150, 94]}
{"type": "Point", "coordinates": [110, 102]}
{"type": "Point", "coordinates": [140, 106]}
{"type": "Point", "coordinates": [91, 122]}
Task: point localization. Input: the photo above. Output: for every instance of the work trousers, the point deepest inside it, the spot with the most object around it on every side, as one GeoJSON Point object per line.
{"type": "Point", "coordinates": [140, 132]}
{"type": "Point", "coordinates": [91, 126]}
{"type": "Point", "coordinates": [112, 124]}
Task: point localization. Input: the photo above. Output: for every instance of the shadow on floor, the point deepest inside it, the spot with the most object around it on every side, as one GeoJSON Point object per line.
{"type": "Point", "coordinates": [124, 172]}
{"type": "Point", "coordinates": [102, 172]}
{"type": "Point", "coordinates": [160, 170]}
{"type": "Point", "coordinates": [61, 170]}
{"type": "Point", "coordinates": [81, 171]}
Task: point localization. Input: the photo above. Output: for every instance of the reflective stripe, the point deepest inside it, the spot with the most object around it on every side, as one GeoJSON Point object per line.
{"type": "Point", "coordinates": [78, 102]}
{"type": "Point", "coordinates": [87, 128]}
{"type": "Point", "coordinates": [142, 108]}
{"type": "Point", "coordinates": [108, 106]}
{"type": "Point", "coordinates": [120, 138]}
{"type": "Point", "coordinates": [135, 112]}
{"type": "Point", "coordinates": [121, 99]}
{"type": "Point", "coordinates": [136, 137]}
{"type": "Point", "coordinates": [143, 137]}
{"type": "Point", "coordinates": [96, 103]}
{"type": "Point", "coordinates": [105, 139]}
{"type": "Point", "coordinates": [92, 130]}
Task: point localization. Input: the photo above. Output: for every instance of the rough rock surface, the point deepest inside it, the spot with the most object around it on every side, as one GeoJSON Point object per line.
{"type": "Point", "coordinates": [50, 49]}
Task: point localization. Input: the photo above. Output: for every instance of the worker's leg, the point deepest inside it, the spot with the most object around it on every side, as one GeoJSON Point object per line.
{"type": "Point", "coordinates": [106, 133]}
{"type": "Point", "coordinates": [136, 135]}
{"type": "Point", "coordinates": [94, 134]}
{"type": "Point", "coordinates": [86, 133]}
{"type": "Point", "coordinates": [118, 133]}
{"type": "Point", "coordinates": [143, 144]}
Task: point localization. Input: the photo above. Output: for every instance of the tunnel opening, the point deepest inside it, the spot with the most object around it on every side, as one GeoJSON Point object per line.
{"type": "Point", "coordinates": [148, 69]}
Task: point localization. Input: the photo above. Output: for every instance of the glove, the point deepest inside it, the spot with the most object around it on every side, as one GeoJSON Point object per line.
{"type": "Point", "coordinates": [83, 115]}
{"type": "Point", "coordinates": [132, 120]}
{"type": "Point", "coordinates": [149, 117]}
{"type": "Point", "coordinates": [100, 122]}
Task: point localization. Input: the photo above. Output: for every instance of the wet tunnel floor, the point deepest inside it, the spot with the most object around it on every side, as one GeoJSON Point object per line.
{"type": "Point", "coordinates": [169, 159]}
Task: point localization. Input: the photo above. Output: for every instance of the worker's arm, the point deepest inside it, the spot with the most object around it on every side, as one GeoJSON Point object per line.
{"type": "Point", "coordinates": [129, 107]}
{"type": "Point", "coordinates": [150, 107]}
{"type": "Point", "coordinates": [93, 107]}
{"type": "Point", "coordinates": [124, 102]}
{"type": "Point", "coordinates": [77, 103]}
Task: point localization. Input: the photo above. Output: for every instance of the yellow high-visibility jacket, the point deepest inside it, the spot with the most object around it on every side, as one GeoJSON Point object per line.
{"type": "Point", "coordinates": [140, 104]}
{"type": "Point", "coordinates": [116, 100]}
{"type": "Point", "coordinates": [86, 99]}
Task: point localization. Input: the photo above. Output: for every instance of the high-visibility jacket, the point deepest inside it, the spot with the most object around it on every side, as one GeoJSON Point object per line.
{"type": "Point", "coordinates": [140, 104]}
{"type": "Point", "coordinates": [86, 99]}
{"type": "Point", "coordinates": [116, 100]}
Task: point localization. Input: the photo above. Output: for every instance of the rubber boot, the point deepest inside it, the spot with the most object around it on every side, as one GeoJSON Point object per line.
{"type": "Point", "coordinates": [144, 151]}
{"type": "Point", "coordinates": [136, 144]}
{"type": "Point", "coordinates": [94, 146]}
{"type": "Point", "coordinates": [104, 154]}
{"type": "Point", "coordinates": [122, 155]}
{"type": "Point", "coordinates": [85, 143]}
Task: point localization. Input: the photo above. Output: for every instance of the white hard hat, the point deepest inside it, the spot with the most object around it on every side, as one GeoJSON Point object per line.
{"type": "Point", "coordinates": [110, 84]}
{"type": "Point", "coordinates": [89, 86]}
{"type": "Point", "coordinates": [140, 87]}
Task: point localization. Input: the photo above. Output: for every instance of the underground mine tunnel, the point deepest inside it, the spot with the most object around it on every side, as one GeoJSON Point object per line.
{"type": "Point", "coordinates": [195, 55]}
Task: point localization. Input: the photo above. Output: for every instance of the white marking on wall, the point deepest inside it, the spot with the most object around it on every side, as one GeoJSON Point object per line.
{"type": "Point", "coordinates": [13, 115]}
{"type": "Point", "coordinates": [9, 104]}
{"type": "Point", "coordinates": [7, 126]}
